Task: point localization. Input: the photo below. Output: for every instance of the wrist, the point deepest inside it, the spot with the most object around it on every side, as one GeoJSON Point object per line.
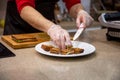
{"type": "Point", "coordinates": [75, 9]}
{"type": "Point", "coordinates": [52, 28]}
{"type": "Point", "coordinates": [81, 12]}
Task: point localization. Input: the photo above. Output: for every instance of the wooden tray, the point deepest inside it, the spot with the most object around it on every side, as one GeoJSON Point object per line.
{"type": "Point", "coordinates": [41, 37]}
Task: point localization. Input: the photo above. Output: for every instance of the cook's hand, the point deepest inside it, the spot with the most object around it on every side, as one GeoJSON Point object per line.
{"type": "Point", "coordinates": [85, 18]}
{"type": "Point", "coordinates": [59, 36]}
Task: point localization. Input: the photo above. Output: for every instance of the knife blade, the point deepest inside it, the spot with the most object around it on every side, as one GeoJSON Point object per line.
{"type": "Point", "coordinates": [79, 31]}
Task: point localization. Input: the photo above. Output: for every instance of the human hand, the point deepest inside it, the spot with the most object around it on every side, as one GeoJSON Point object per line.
{"type": "Point", "coordinates": [85, 18]}
{"type": "Point", "coordinates": [59, 36]}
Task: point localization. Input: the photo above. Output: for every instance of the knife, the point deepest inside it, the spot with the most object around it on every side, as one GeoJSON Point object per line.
{"type": "Point", "coordinates": [79, 31]}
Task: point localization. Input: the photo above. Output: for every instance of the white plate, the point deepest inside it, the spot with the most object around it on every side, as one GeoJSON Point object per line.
{"type": "Point", "coordinates": [88, 49]}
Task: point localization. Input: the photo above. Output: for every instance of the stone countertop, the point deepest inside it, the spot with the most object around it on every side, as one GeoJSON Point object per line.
{"type": "Point", "coordinates": [28, 64]}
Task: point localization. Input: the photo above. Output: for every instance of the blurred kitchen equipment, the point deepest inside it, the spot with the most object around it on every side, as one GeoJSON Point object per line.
{"type": "Point", "coordinates": [112, 22]}
{"type": "Point", "coordinates": [5, 52]}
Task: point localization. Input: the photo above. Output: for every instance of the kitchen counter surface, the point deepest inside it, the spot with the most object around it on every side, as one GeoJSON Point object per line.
{"type": "Point", "coordinates": [28, 64]}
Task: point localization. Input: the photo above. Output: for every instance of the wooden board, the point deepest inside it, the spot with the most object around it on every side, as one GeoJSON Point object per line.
{"type": "Point", "coordinates": [41, 37]}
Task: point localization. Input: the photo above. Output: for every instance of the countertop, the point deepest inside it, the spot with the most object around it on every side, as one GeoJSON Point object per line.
{"type": "Point", "coordinates": [28, 64]}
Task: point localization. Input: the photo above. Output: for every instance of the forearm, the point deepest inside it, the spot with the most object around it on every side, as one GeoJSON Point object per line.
{"type": "Point", "coordinates": [35, 19]}
{"type": "Point", "coordinates": [75, 9]}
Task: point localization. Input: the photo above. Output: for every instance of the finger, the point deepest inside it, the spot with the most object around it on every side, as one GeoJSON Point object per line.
{"type": "Point", "coordinates": [85, 21]}
{"type": "Point", "coordinates": [57, 40]}
{"type": "Point", "coordinates": [78, 21]}
{"type": "Point", "coordinates": [67, 38]}
{"type": "Point", "coordinates": [89, 22]}
{"type": "Point", "coordinates": [62, 41]}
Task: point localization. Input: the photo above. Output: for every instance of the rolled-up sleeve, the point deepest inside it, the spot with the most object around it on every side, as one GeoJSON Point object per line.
{"type": "Point", "coordinates": [70, 3]}
{"type": "Point", "coordinates": [22, 3]}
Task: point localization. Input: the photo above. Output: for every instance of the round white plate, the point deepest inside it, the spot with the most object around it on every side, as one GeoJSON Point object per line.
{"type": "Point", "coordinates": [88, 49]}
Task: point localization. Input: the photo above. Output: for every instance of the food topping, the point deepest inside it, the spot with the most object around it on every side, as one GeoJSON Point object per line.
{"type": "Point", "coordinates": [68, 50]}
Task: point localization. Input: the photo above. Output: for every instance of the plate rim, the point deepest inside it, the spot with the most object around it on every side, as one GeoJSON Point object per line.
{"type": "Point", "coordinates": [59, 55]}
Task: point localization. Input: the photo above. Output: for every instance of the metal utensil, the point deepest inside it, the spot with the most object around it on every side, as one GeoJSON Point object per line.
{"type": "Point", "coordinates": [79, 31]}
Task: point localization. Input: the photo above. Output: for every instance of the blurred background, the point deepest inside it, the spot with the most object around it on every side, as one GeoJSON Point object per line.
{"type": "Point", "coordinates": [2, 14]}
{"type": "Point", "coordinates": [94, 7]}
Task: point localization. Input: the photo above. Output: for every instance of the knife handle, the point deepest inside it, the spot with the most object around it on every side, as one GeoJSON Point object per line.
{"type": "Point", "coordinates": [81, 25]}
